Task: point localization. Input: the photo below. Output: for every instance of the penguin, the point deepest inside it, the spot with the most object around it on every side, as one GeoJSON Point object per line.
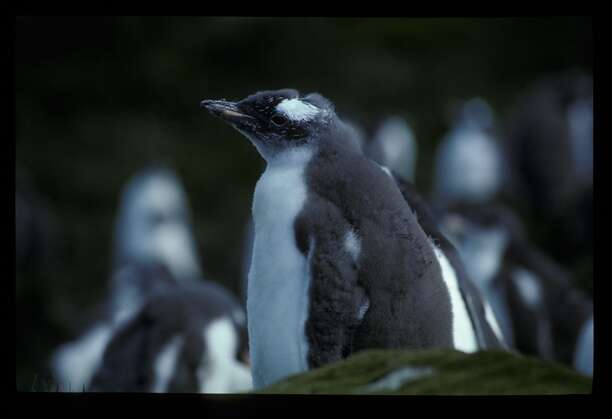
{"type": "Point", "coordinates": [154, 223]}
{"type": "Point", "coordinates": [152, 228]}
{"type": "Point", "coordinates": [188, 339]}
{"type": "Point", "coordinates": [74, 363]}
{"type": "Point", "coordinates": [394, 146]}
{"type": "Point", "coordinates": [340, 263]}
{"type": "Point", "coordinates": [469, 163]}
{"type": "Point", "coordinates": [539, 310]}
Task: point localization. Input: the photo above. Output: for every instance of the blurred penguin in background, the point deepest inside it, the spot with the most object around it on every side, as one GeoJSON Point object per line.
{"type": "Point", "coordinates": [469, 165]}
{"type": "Point", "coordinates": [154, 254]}
{"type": "Point", "coordinates": [190, 338]}
{"type": "Point", "coordinates": [538, 309]}
{"type": "Point", "coordinates": [549, 140]}
{"type": "Point", "coordinates": [394, 146]}
{"type": "Point", "coordinates": [153, 226]}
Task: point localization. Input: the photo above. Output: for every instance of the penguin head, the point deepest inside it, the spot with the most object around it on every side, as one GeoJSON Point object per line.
{"type": "Point", "coordinates": [278, 120]}
{"type": "Point", "coordinates": [153, 224]}
{"type": "Point", "coordinates": [395, 147]}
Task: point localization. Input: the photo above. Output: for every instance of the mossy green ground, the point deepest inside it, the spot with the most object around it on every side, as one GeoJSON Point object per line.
{"type": "Point", "coordinates": [454, 373]}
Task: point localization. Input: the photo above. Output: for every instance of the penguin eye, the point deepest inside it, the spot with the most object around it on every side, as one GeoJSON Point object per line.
{"type": "Point", "coordinates": [278, 120]}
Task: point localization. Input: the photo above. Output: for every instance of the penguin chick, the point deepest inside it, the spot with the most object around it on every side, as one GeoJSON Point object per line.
{"type": "Point", "coordinates": [340, 263]}
{"type": "Point", "coordinates": [186, 339]}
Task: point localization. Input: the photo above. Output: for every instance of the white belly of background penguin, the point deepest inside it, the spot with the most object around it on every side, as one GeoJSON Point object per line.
{"type": "Point", "coordinates": [278, 278]}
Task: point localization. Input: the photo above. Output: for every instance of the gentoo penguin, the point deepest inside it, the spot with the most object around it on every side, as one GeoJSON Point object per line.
{"type": "Point", "coordinates": [393, 145]}
{"type": "Point", "coordinates": [186, 339]}
{"type": "Point", "coordinates": [340, 263]}
{"type": "Point", "coordinates": [152, 228]}
{"type": "Point", "coordinates": [469, 165]}
{"type": "Point", "coordinates": [539, 311]}
{"type": "Point", "coordinates": [154, 223]}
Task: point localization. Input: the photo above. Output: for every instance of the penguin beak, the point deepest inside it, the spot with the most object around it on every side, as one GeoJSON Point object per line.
{"type": "Point", "coordinates": [229, 112]}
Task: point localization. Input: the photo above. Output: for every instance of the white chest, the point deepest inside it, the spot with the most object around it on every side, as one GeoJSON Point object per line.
{"type": "Point", "coordinates": [277, 299]}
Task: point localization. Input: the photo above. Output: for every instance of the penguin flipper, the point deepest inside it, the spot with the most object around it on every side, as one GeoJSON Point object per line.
{"type": "Point", "coordinates": [337, 302]}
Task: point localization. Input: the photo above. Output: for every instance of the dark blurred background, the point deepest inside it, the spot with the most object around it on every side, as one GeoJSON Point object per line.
{"type": "Point", "coordinates": [97, 99]}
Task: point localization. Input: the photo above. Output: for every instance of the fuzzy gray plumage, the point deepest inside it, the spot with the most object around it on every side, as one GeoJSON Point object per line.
{"type": "Point", "coordinates": [396, 275]}
{"type": "Point", "coordinates": [184, 310]}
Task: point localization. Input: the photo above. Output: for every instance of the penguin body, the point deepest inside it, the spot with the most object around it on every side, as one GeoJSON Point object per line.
{"type": "Point", "coordinates": [186, 339]}
{"type": "Point", "coordinates": [152, 233]}
{"type": "Point", "coordinates": [340, 263]}
{"type": "Point", "coordinates": [539, 311]}
{"type": "Point", "coordinates": [469, 165]}
{"type": "Point", "coordinates": [393, 145]}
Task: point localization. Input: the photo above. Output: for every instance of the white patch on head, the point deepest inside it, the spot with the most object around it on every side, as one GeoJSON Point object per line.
{"type": "Point", "coordinates": [277, 297]}
{"type": "Point", "coordinates": [297, 110]}
{"type": "Point", "coordinates": [75, 363]}
{"type": "Point", "coordinates": [583, 358]}
{"type": "Point", "coordinates": [396, 379]}
{"type": "Point", "coordinates": [165, 364]}
{"type": "Point", "coordinates": [464, 337]}
{"type": "Point", "coordinates": [219, 371]}
{"type": "Point", "coordinates": [352, 244]}
{"type": "Point", "coordinates": [528, 286]}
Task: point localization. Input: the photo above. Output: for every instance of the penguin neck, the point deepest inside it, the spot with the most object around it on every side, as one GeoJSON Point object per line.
{"type": "Point", "coordinates": [292, 157]}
